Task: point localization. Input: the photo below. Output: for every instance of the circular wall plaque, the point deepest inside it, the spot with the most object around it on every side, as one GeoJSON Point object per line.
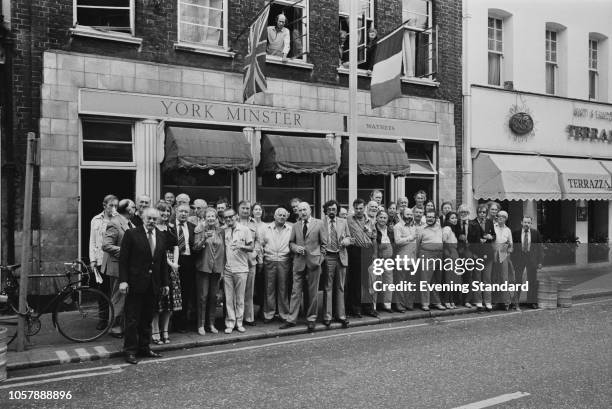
{"type": "Point", "coordinates": [521, 123]}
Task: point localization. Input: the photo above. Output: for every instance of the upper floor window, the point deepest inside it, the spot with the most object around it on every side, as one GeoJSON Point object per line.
{"type": "Point", "coordinates": [203, 22]}
{"type": "Point", "coordinates": [496, 50]}
{"type": "Point", "coordinates": [288, 30]}
{"type": "Point", "coordinates": [551, 62]}
{"type": "Point", "coordinates": [593, 68]}
{"type": "Point", "coordinates": [105, 15]}
{"type": "Point", "coordinates": [366, 34]}
{"type": "Point", "coordinates": [419, 59]}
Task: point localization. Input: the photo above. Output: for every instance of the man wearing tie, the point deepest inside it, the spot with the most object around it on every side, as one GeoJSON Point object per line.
{"type": "Point", "coordinates": [308, 243]}
{"type": "Point", "coordinates": [336, 259]}
{"type": "Point", "coordinates": [528, 255]}
{"type": "Point", "coordinates": [463, 250]}
{"type": "Point", "coordinates": [143, 272]}
{"type": "Point", "coordinates": [183, 230]}
{"type": "Point", "coordinates": [481, 236]}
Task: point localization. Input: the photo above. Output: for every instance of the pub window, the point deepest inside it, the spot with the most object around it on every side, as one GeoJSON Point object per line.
{"type": "Point", "coordinates": [551, 62]}
{"type": "Point", "coordinates": [107, 142]}
{"type": "Point", "coordinates": [277, 189]}
{"type": "Point", "coordinates": [203, 22]}
{"type": "Point", "coordinates": [593, 71]}
{"type": "Point", "coordinates": [365, 32]}
{"type": "Point", "coordinates": [201, 184]}
{"type": "Point", "coordinates": [296, 17]}
{"type": "Point", "coordinates": [105, 15]}
{"type": "Point", "coordinates": [419, 47]}
{"type": "Point", "coordinates": [496, 51]}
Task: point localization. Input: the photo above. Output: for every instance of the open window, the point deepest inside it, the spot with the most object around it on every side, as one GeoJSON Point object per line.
{"type": "Point", "coordinates": [365, 32]}
{"type": "Point", "coordinates": [420, 58]}
{"type": "Point", "coordinates": [105, 15]}
{"type": "Point", "coordinates": [296, 15]}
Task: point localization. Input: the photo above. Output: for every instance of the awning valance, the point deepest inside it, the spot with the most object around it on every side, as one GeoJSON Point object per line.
{"type": "Point", "coordinates": [583, 179]}
{"type": "Point", "coordinates": [378, 158]}
{"type": "Point", "coordinates": [297, 154]}
{"type": "Point", "coordinates": [514, 177]}
{"type": "Point", "coordinates": [193, 148]}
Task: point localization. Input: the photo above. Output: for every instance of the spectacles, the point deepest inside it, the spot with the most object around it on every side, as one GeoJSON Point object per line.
{"type": "Point", "coordinates": [228, 217]}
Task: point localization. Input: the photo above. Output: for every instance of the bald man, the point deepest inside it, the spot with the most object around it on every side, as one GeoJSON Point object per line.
{"type": "Point", "coordinates": [278, 38]}
{"type": "Point", "coordinates": [142, 202]}
{"type": "Point", "coordinates": [308, 243]}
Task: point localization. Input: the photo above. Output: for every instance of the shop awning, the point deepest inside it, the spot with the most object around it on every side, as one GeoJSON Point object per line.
{"type": "Point", "coordinates": [514, 177]}
{"type": "Point", "coordinates": [378, 158]}
{"type": "Point", "coordinates": [193, 148]}
{"type": "Point", "coordinates": [583, 179]}
{"type": "Point", "coordinates": [297, 154]}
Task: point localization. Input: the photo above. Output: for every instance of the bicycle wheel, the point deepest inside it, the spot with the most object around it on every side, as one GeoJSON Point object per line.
{"type": "Point", "coordinates": [80, 314]}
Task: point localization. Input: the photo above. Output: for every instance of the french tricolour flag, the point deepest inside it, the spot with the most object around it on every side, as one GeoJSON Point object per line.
{"type": "Point", "coordinates": [387, 70]}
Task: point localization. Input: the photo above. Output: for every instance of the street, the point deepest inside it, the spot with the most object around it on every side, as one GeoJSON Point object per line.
{"type": "Point", "coordinates": [532, 359]}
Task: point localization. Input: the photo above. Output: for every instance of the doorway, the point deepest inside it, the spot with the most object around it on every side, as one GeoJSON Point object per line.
{"type": "Point", "coordinates": [95, 184]}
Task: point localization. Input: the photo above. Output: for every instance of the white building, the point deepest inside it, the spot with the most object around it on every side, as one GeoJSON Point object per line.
{"type": "Point", "coordinates": [538, 118]}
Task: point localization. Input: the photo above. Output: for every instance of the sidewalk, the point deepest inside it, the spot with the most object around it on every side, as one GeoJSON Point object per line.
{"type": "Point", "coordinates": [50, 348]}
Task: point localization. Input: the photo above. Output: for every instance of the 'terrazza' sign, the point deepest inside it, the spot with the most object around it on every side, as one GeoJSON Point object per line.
{"type": "Point", "coordinates": [584, 132]}
{"type": "Point", "coordinates": [600, 184]}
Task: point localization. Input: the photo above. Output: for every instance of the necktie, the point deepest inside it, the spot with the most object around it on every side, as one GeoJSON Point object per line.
{"type": "Point", "coordinates": [181, 238]}
{"type": "Point", "coordinates": [525, 241]}
{"type": "Point", "coordinates": [305, 228]}
{"type": "Point", "coordinates": [465, 227]}
{"type": "Point", "coordinates": [333, 237]}
{"type": "Point", "coordinates": [151, 242]}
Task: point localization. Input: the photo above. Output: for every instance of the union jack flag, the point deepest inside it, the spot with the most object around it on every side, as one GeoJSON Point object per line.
{"type": "Point", "coordinates": [254, 80]}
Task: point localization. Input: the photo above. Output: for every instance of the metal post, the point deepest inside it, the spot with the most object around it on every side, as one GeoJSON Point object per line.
{"type": "Point", "coordinates": [352, 101]}
{"type": "Point", "coordinates": [26, 237]}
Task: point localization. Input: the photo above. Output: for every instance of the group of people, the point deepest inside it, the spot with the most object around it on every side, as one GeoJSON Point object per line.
{"type": "Point", "coordinates": [168, 261]}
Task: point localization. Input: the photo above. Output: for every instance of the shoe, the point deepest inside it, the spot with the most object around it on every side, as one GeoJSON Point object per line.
{"type": "Point", "coordinates": [409, 308]}
{"type": "Point", "coordinates": [479, 306]}
{"type": "Point", "coordinates": [489, 307]}
{"type": "Point", "coordinates": [399, 309]}
{"type": "Point", "coordinates": [389, 310]}
{"type": "Point", "coordinates": [250, 323]}
{"type": "Point", "coordinates": [327, 323]}
{"type": "Point", "coordinates": [534, 306]}
{"type": "Point", "coordinates": [467, 305]}
{"type": "Point", "coordinates": [506, 307]}
{"type": "Point", "coordinates": [453, 306]}
{"type": "Point", "coordinates": [286, 325]}
{"type": "Point", "coordinates": [131, 359]}
{"type": "Point", "coordinates": [439, 307]}
{"type": "Point", "coordinates": [201, 331]}
{"type": "Point", "coordinates": [116, 335]}
{"type": "Point", "coordinates": [267, 320]}
{"type": "Point", "coordinates": [241, 329]}
{"type": "Point", "coordinates": [149, 354]}
{"type": "Point", "coordinates": [213, 330]}
{"type": "Point", "coordinates": [447, 305]}
{"type": "Point", "coordinates": [311, 326]}
{"type": "Point", "coordinates": [157, 341]}
{"type": "Point", "coordinates": [345, 323]}
{"type": "Point", "coordinates": [101, 325]}
{"type": "Point", "coordinates": [515, 307]}
{"type": "Point", "coordinates": [228, 330]}
{"type": "Point", "coordinates": [357, 315]}
{"type": "Point", "coordinates": [425, 308]}
{"type": "Point", "coordinates": [373, 313]}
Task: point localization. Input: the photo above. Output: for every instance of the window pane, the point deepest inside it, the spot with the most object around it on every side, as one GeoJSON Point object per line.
{"type": "Point", "coordinates": [104, 3]}
{"type": "Point", "coordinates": [218, 4]}
{"type": "Point", "coordinates": [592, 84]}
{"type": "Point", "coordinates": [499, 46]}
{"type": "Point", "coordinates": [111, 19]}
{"type": "Point", "coordinates": [416, 13]}
{"type": "Point", "coordinates": [491, 23]}
{"type": "Point", "coordinates": [498, 35]}
{"type": "Point", "coordinates": [201, 15]}
{"type": "Point", "coordinates": [494, 75]}
{"type": "Point", "coordinates": [107, 152]}
{"type": "Point", "coordinates": [104, 131]}
{"type": "Point", "coordinates": [550, 78]}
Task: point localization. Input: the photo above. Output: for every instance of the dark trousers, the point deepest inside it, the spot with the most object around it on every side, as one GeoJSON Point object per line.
{"type": "Point", "coordinates": [359, 260]}
{"type": "Point", "coordinates": [105, 287]}
{"type": "Point", "coordinates": [188, 292]}
{"type": "Point", "coordinates": [520, 265]}
{"type": "Point", "coordinates": [138, 315]}
{"type": "Point", "coordinates": [207, 286]}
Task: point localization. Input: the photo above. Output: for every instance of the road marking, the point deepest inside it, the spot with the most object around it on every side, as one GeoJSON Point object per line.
{"type": "Point", "coordinates": [592, 302]}
{"type": "Point", "coordinates": [48, 374]}
{"type": "Point", "coordinates": [63, 356]}
{"type": "Point", "coordinates": [102, 351]}
{"type": "Point", "coordinates": [114, 369]}
{"type": "Point", "coordinates": [494, 401]}
{"type": "Point", "coordinates": [83, 354]}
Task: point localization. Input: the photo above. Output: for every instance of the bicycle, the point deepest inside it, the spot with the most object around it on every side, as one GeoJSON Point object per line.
{"type": "Point", "coordinates": [80, 313]}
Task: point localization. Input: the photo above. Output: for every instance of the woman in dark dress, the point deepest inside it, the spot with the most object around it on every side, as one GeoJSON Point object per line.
{"type": "Point", "coordinates": [171, 302]}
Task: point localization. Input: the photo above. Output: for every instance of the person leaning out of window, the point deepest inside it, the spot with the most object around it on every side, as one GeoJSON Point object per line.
{"type": "Point", "coordinates": [279, 38]}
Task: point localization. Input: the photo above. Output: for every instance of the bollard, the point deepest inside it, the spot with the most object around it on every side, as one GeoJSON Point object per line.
{"type": "Point", "coordinates": [564, 293]}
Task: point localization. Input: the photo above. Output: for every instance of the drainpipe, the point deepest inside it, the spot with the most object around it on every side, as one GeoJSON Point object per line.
{"type": "Point", "coordinates": [468, 194]}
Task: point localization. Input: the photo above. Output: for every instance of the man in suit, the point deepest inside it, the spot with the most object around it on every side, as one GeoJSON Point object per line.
{"type": "Point", "coordinates": [336, 231]}
{"type": "Point", "coordinates": [143, 273]}
{"type": "Point", "coordinates": [481, 236]}
{"type": "Point", "coordinates": [464, 251]}
{"type": "Point", "coordinates": [142, 202]}
{"type": "Point", "coordinates": [527, 255]}
{"type": "Point", "coordinates": [308, 243]}
{"type": "Point", "coordinates": [184, 232]}
{"type": "Point", "coordinates": [111, 247]}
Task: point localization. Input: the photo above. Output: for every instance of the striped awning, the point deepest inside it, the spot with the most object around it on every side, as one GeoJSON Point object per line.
{"type": "Point", "coordinates": [297, 154]}
{"type": "Point", "coordinates": [194, 148]}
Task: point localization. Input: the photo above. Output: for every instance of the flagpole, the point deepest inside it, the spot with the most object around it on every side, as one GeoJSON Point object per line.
{"type": "Point", "coordinates": [352, 101]}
